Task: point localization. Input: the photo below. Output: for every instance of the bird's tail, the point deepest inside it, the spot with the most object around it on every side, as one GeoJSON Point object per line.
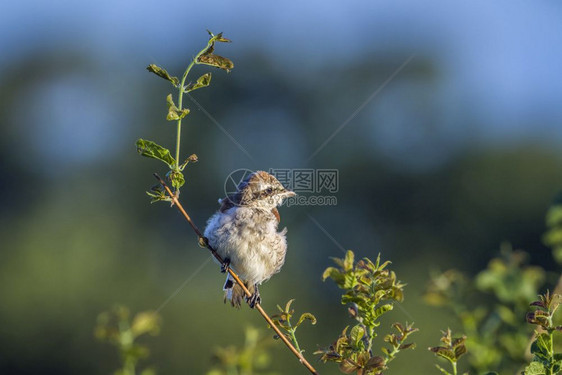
{"type": "Point", "coordinates": [234, 292]}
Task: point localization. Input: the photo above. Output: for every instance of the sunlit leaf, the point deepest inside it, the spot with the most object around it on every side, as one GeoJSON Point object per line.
{"type": "Point", "coordinates": [176, 178]}
{"type": "Point", "coordinates": [535, 368]}
{"type": "Point", "coordinates": [459, 351]}
{"type": "Point", "coordinates": [348, 260]}
{"type": "Point", "coordinates": [382, 309]}
{"type": "Point", "coordinates": [174, 113]}
{"type": "Point", "coordinates": [202, 81]}
{"type": "Point", "coordinates": [288, 305]}
{"type": "Point", "coordinates": [356, 335]}
{"type": "Point", "coordinates": [218, 37]}
{"type": "Point", "coordinates": [216, 61]}
{"type": "Point", "coordinates": [307, 316]}
{"type": "Point", "coordinates": [161, 72]}
{"type": "Point", "coordinates": [153, 150]}
{"type": "Point", "coordinates": [146, 322]}
{"type": "Point", "coordinates": [332, 273]}
{"type": "Point", "coordinates": [443, 352]}
{"type": "Point", "coordinates": [542, 346]}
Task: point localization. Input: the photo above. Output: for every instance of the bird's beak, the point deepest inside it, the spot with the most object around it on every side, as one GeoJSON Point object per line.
{"type": "Point", "coordinates": [287, 193]}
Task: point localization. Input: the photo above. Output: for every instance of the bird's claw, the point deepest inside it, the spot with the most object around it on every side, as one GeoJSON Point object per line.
{"type": "Point", "coordinates": [225, 265]}
{"type": "Point", "coordinates": [255, 298]}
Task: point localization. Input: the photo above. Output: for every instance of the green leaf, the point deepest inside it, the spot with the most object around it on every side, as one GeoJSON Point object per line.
{"type": "Point", "coordinates": [348, 261]}
{"type": "Point", "coordinates": [153, 150]}
{"type": "Point", "coordinates": [288, 305]}
{"type": "Point", "coordinates": [375, 363]}
{"type": "Point", "coordinates": [158, 196]}
{"type": "Point", "coordinates": [348, 367]}
{"type": "Point", "coordinates": [535, 368]}
{"type": "Point", "coordinates": [459, 351]}
{"type": "Point", "coordinates": [216, 61]}
{"type": "Point", "coordinates": [307, 316]}
{"type": "Point", "coordinates": [411, 345]}
{"type": "Point", "coordinates": [382, 309]}
{"type": "Point", "coordinates": [202, 81]}
{"type": "Point", "coordinates": [542, 346]}
{"type": "Point", "coordinates": [333, 273]}
{"type": "Point", "coordinates": [218, 38]}
{"type": "Point", "coordinates": [161, 72]}
{"type": "Point", "coordinates": [359, 299]}
{"type": "Point", "coordinates": [176, 178]}
{"type": "Point", "coordinates": [356, 335]}
{"type": "Point", "coordinates": [349, 281]}
{"type": "Point", "coordinates": [443, 352]}
{"type": "Point", "coordinates": [174, 113]}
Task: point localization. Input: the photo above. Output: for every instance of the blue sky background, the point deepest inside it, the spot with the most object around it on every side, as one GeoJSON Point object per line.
{"type": "Point", "coordinates": [499, 62]}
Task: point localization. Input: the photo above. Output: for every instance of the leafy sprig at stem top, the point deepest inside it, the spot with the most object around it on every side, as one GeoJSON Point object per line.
{"type": "Point", "coordinates": [452, 349]}
{"type": "Point", "coordinates": [283, 321]}
{"type": "Point", "coordinates": [545, 360]}
{"type": "Point", "coordinates": [176, 113]}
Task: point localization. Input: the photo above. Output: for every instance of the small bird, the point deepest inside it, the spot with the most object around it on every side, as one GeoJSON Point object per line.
{"type": "Point", "coordinates": [244, 233]}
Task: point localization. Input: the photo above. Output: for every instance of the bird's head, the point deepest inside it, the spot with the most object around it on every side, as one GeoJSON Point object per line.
{"type": "Point", "coordinates": [260, 190]}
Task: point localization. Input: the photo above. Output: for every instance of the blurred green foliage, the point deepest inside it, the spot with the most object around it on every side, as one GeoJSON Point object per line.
{"type": "Point", "coordinates": [553, 237]}
{"type": "Point", "coordinates": [252, 358]}
{"type": "Point", "coordinates": [490, 309]}
{"type": "Point", "coordinates": [116, 327]}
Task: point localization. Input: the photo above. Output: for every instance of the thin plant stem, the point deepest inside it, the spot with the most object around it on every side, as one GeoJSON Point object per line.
{"type": "Point", "coordinates": [205, 243]}
{"type": "Point", "coordinates": [293, 336]}
{"type": "Point", "coordinates": [181, 89]}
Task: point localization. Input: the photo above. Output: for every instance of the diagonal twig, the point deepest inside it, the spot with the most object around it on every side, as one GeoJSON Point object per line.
{"type": "Point", "coordinates": [203, 242]}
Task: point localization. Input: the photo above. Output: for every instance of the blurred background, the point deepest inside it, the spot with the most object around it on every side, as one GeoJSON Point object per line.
{"type": "Point", "coordinates": [443, 120]}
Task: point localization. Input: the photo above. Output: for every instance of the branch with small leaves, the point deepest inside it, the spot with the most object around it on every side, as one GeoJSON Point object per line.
{"type": "Point", "coordinates": [451, 350]}
{"type": "Point", "coordinates": [283, 321]}
{"type": "Point", "coordinates": [545, 360]}
{"type": "Point", "coordinates": [370, 291]}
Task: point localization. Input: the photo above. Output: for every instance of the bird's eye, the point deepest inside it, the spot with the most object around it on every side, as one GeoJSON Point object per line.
{"type": "Point", "coordinates": [269, 190]}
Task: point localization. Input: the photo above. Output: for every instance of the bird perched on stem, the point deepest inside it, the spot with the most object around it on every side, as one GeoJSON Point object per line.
{"type": "Point", "coordinates": [244, 233]}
